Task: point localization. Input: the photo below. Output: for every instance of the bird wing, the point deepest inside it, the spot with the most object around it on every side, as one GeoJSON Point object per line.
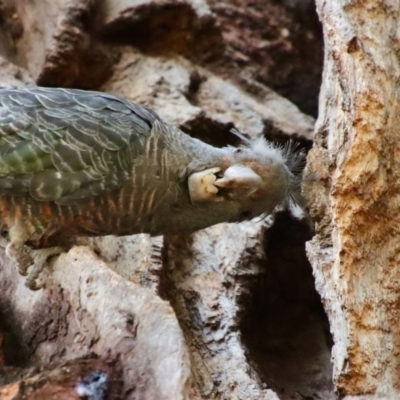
{"type": "Point", "coordinates": [66, 144]}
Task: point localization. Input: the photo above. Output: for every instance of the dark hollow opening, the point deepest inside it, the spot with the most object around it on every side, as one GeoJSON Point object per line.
{"type": "Point", "coordinates": [284, 326]}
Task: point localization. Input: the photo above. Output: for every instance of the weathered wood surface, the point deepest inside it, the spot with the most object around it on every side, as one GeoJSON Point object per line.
{"type": "Point", "coordinates": [228, 313]}
{"type": "Point", "coordinates": [353, 173]}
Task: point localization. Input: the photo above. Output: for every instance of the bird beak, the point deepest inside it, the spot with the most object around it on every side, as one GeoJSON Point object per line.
{"type": "Point", "coordinates": [238, 180]}
{"type": "Point", "coordinates": [237, 175]}
{"type": "Point", "coordinates": [201, 186]}
{"type": "Point", "coordinates": [222, 183]}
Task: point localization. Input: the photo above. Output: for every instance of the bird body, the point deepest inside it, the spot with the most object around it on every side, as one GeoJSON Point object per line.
{"type": "Point", "coordinates": [75, 162]}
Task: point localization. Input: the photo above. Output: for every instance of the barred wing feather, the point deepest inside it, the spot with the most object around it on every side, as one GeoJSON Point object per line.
{"type": "Point", "coordinates": [65, 144]}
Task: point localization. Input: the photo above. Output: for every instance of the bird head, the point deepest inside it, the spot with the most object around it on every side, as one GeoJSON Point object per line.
{"type": "Point", "coordinates": [256, 178]}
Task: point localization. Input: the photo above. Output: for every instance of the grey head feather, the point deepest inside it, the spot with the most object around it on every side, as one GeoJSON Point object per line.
{"type": "Point", "coordinates": [290, 154]}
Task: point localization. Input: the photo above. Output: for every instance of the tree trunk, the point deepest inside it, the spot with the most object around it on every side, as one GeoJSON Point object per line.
{"type": "Point", "coordinates": [353, 186]}
{"type": "Point", "coordinates": [230, 312]}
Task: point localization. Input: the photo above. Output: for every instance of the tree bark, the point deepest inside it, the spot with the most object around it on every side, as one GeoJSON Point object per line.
{"type": "Point", "coordinates": [230, 312]}
{"type": "Point", "coordinates": [353, 187]}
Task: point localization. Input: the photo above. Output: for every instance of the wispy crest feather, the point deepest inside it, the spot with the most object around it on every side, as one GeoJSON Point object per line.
{"type": "Point", "coordinates": [289, 154]}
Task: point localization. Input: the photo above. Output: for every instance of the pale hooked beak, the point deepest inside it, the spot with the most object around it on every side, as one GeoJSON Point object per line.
{"type": "Point", "coordinates": [239, 176]}
{"type": "Point", "coordinates": [201, 186]}
{"type": "Point", "coordinates": [237, 180]}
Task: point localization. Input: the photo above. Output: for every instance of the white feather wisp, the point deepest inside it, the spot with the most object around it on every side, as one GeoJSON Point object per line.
{"type": "Point", "coordinates": [288, 154]}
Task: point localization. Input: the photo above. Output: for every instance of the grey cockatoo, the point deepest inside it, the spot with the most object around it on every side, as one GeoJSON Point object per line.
{"type": "Point", "coordinates": [75, 162]}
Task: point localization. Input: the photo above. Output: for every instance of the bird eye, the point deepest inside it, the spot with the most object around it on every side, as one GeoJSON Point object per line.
{"type": "Point", "coordinates": [238, 150]}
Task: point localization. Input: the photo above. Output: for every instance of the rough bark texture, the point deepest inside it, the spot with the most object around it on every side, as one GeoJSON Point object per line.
{"type": "Point", "coordinates": [230, 312]}
{"type": "Point", "coordinates": [353, 181]}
